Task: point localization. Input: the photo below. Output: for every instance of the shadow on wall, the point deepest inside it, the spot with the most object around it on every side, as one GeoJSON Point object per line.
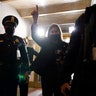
{"type": "Point", "coordinates": [5, 10]}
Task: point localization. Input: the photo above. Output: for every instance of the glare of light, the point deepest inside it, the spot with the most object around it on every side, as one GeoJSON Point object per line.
{"type": "Point", "coordinates": [67, 1]}
{"type": "Point", "coordinates": [40, 32]}
{"type": "Point", "coordinates": [41, 2]}
{"type": "Point", "coordinates": [71, 29]}
{"type": "Point", "coordinates": [72, 76]}
{"type": "Point", "coordinates": [67, 40]}
{"type": "Point", "coordinates": [93, 2]}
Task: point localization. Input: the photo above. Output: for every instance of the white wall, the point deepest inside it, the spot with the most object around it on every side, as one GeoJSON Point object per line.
{"type": "Point", "coordinates": [5, 10]}
{"type": "Point", "coordinates": [28, 24]}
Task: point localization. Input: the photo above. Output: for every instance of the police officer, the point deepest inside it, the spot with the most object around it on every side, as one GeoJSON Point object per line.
{"type": "Point", "coordinates": [8, 56]}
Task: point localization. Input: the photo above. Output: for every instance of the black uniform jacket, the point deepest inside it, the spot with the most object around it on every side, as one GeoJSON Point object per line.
{"type": "Point", "coordinates": [8, 56]}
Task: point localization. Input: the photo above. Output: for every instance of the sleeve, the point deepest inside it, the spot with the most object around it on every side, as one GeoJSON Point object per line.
{"type": "Point", "coordinates": [33, 32]}
{"type": "Point", "coordinates": [24, 55]}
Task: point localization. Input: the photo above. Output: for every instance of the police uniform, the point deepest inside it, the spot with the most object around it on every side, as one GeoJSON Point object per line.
{"type": "Point", "coordinates": [8, 57]}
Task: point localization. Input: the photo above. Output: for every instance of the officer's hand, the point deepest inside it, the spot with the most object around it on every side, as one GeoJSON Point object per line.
{"type": "Point", "coordinates": [27, 76]}
{"type": "Point", "coordinates": [65, 87]}
{"type": "Point", "coordinates": [35, 14]}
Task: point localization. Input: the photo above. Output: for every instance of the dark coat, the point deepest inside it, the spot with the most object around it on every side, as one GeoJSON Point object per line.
{"type": "Point", "coordinates": [78, 59]}
{"type": "Point", "coordinates": [45, 62]}
{"type": "Point", "coordinates": [8, 56]}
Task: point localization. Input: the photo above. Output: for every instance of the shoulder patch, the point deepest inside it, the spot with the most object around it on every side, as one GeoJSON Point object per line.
{"type": "Point", "coordinates": [16, 40]}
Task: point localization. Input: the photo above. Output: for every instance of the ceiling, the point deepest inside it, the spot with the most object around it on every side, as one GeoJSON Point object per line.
{"type": "Point", "coordinates": [63, 12]}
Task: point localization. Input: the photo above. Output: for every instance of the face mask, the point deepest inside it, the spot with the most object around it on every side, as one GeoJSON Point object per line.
{"type": "Point", "coordinates": [10, 30]}
{"type": "Point", "coordinates": [55, 37]}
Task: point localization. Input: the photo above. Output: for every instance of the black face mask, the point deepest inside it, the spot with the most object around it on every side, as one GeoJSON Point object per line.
{"type": "Point", "coordinates": [55, 37]}
{"type": "Point", "coordinates": [10, 30]}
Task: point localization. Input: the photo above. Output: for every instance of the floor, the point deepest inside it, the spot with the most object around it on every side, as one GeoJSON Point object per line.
{"type": "Point", "coordinates": [33, 92]}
